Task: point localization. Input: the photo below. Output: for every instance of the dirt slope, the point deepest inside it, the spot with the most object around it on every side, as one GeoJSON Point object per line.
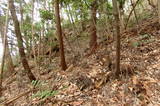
{"type": "Point", "coordinates": [89, 82]}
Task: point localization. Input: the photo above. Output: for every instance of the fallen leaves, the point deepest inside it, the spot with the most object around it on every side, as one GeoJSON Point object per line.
{"type": "Point", "coordinates": [139, 85]}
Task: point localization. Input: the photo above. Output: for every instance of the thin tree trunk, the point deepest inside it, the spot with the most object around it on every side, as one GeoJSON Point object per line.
{"type": "Point", "coordinates": [131, 13]}
{"type": "Point", "coordinates": [21, 12]}
{"type": "Point", "coordinates": [68, 14]}
{"type": "Point", "coordinates": [59, 33]}
{"type": "Point", "coordinates": [9, 63]}
{"type": "Point", "coordinates": [20, 41]}
{"type": "Point", "coordinates": [135, 14]}
{"type": "Point", "coordinates": [22, 31]}
{"type": "Point", "coordinates": [121, 13]}
{"type": "Point", "coordinates": [33, 42]}
{"type": "Point", "coordinates": [43, 36]}
{"type": "Point", "coordinates": [8, 59]}
{"type": "Point", "coordinates": [93, 35]}
{"type": "Point", "coordinates": [4, 50]}
{"type": "Point", "coordinates": [82, 18]}
{"type": "Point", "coordinates": [71, 16]}
{"type": "Point", "coordinates": [158, 3]}
{"type": "Point", "coordinates": [117, 29]}
{"type": "Point", "coordinates": [108, 24]}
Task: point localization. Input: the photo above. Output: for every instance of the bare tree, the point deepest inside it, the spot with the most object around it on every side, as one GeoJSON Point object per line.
{"type": "Point", "coordinates": [117, 33]}
{"type": "Point", "coordinates": [59, 33]}
{"type": "Point", "coordinates": [20, 41]}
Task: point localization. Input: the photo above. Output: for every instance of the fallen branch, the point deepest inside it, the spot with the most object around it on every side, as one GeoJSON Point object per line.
{"type": "Point", "coordinates": [70, 68]}
{"type": "Point", "coordinates": [15, 98]}
{"type": "Point", "coordinates": [10, 79]}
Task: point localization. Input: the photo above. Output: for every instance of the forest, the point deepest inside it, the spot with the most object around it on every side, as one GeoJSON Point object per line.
{"type": "Point", "coordinates": [79, 52]}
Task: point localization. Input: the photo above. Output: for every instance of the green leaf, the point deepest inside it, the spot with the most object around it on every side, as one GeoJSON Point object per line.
{"type": "Point", "coordinates": [136, 44]}
{"type": "Point", "coordinates": [45, 94]}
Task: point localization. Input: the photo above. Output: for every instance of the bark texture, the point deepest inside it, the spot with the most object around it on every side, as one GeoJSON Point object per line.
{"type": "Point", "coordinates": [93, 35]}
{"type": "Point", "coordinates": [59, 33]}
{"type": "Point", "coordinates": [117, 33]}
{"type": "Point", "coordinates": [20, 41]}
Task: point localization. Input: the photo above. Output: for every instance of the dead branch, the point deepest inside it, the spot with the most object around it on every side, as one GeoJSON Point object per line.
{"type": "Point", "coordinates": [15, 98]}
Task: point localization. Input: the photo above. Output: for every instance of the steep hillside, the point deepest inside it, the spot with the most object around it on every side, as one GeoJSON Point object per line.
{"type": "Point", "coordinates": [89, 80]}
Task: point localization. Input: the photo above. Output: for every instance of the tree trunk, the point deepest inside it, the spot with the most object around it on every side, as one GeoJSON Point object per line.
{"type": "Point", "coordinates": [68, 14]}
{"type": "Point", "coordinates": [82, 18]}
{"type": "Point", "coordinates": [24, 33]}
{"type": "Point", "coordinates": [135, 14]}
{"type": "Point", "coordinates": [127, 21]}
{"type": "Point", "coordinates": [4, 51]}
{"type": "Point", "coordinates": [152, 3]}
{"type": "Point", "coordinates": [121, 14]}
{"type": "Point", "coordinates": [93, 35]}
{"type": "Point", "coordinates": [32, 32]}
{"type": "Point", "coordinates": [20, 41]}
{"type": "Point", "coordinates": [158, 2]}
{"type": "Point", "coordinates": [117, 29]}
{"type": "Point", "coordinates": [71, 14]}
{"type": "Point", "coordinates": [21, 13]}
{"type": "Point", "coordinates": [59, 33]}
{"type": "Point", "coordinates": [8, 58]}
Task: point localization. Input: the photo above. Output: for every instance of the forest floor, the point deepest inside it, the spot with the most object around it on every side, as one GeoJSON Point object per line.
{"type": "Point", "coordinates": [88, 80]}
